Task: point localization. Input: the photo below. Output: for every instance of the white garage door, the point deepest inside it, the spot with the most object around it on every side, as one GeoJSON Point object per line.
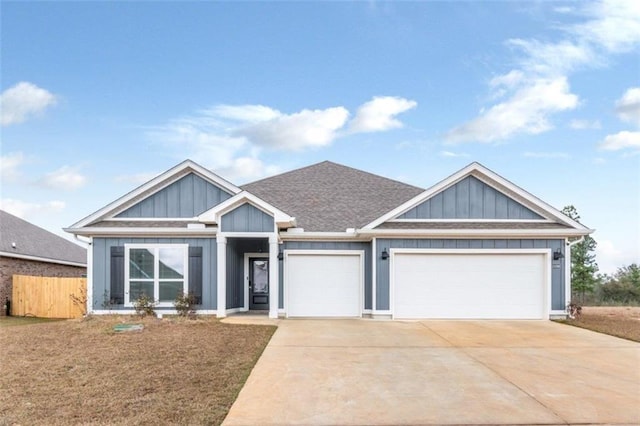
{"type": "Point", "coordinates": [325, 284]}
{"type": "Point", "coordinates": [472, 286]}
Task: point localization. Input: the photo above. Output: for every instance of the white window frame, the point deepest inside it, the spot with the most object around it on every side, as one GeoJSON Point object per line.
{"type": "Point", "coordinates": [155, 248]}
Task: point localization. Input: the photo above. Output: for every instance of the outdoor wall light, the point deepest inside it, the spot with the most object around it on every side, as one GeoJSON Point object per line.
{"type": "Point", "coordinates": [557, 255]}
{"type": "Point", "coordinates": [280, 255]}
{"type": "Point", "coordinates": [384, 255]}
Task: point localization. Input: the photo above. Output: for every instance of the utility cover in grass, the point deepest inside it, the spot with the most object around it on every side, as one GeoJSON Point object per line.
{"type": "Point", "coordinates": [127, 327]}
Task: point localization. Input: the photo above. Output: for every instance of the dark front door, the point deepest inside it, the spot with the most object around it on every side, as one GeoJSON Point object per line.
{"type": "Point", "coordinates": [258, 284]}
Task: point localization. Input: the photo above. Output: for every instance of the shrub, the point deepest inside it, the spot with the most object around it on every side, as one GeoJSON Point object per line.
{"type": "Point", "coordinates": [144, 305]}
{"type": "Point", "coordinates": [185, 305]}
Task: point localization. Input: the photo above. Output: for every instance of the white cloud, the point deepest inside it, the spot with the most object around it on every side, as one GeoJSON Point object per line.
{"type": "Point", "coordinates": [230, 138]}
{"type": "Point", "coordinates": [615, 26]}
{"type": "Point", "coordinates": [578, 124]}
{"type": "Point", "coordinates": [553, 59]}
{"type": "Point", "coordinates": [245, 169]}
{"type": "Point", "coordinates": [621, 140]}
{"type": "Point", "coordinates": [245, 113]}
{"type": "Point", "coordinates": [530, 154]}
{"type": "Point", "coordinates": [23, 100]}
{"type": "Point", "coordinates": [9, 165]}
{"type": "Point", "coordinates": [65, 178]}
{"type": "Point", "coordinates": [628, 107]}
{"type": "Point", "coordinates": [610, 257]}
{"type": "Point", "coordinates": [307, 128]}
{"type": "Point", "coordinates": [25, 209]}
{"type": "Point", "coordinates": [608, 27]}
{"type": "Point", "coordinates": [451, 154]}
{"type": "Point", "coordinates": [526, 111]}
{"type": "Point", "coordinates": [136, 179]}
{"type": "Point", "coordinates": [379, 114]}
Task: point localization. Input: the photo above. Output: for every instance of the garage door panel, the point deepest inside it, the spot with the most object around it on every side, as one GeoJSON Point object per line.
{"type": "Point", "coordinates": [469, 286]}
{"type": "Point", "coordinates": [323, 285]}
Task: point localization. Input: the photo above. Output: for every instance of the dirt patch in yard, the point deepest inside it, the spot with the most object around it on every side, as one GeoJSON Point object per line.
{"type": "Point", "coordinates": [82, 372]}
{"type": "Point", "coordinates": [619, 321]}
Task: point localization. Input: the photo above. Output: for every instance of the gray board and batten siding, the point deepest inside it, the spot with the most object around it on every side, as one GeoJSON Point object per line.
{"type": "Point", "coordinates": [187, 197]}
{"type": "Point", "coordinates": [470, 199]}
{"type": "Point", "coordinates": [247, 218]}
{"type": "Point", "coordinates": [104, 261]}
{"type": "Point", "coordinates": [383, 265]}
{"type": "Point", "coordinates": [332, 245]}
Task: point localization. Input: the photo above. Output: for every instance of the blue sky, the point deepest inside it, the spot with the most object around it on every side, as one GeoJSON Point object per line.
{"type": "Point", "coordinates": [98, 97]}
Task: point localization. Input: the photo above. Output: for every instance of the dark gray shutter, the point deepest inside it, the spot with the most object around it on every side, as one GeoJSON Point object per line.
{"type": "Point", "coordinates": [195, 273]}
{"type": "Point", "coordinates": [117, 275]}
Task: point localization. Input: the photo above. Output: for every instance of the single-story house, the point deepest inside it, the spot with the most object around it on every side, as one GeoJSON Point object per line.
{"type": "Point", "coordinates": [331, 241]}
{"type": "Point", "coordinates": [26, 249]}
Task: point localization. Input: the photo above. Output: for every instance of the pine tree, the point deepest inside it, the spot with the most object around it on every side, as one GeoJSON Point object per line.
{"type": "Point", "coordinates": [583, 262]}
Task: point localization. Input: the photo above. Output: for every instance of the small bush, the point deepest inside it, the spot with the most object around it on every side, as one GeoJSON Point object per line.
{"type": "Point", "coordinates": [574, 310]}
{"type": "Point", "coordinates": [145, 306]}
{"type": "Point", "coordinates": [185, 305]}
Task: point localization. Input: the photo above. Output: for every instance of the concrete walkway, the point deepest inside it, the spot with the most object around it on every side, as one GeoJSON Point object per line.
{"type": "Point", "coordinates": [367, 372]}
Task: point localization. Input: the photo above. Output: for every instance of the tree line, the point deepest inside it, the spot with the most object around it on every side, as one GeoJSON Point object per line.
{"type": "Point", "coordinates": [588, 286]}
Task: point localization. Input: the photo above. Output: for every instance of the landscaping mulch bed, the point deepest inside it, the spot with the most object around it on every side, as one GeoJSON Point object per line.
{"type": "Point", "coordinates": [619, 321]}
{"type": "Point", "coordinates": [174, 371]}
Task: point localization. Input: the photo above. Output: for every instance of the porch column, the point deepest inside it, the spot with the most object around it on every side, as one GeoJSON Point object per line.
{"type": "Point", "coordinates": [274, 285]}
{"type": "Point", "coordinates": [221, 281]}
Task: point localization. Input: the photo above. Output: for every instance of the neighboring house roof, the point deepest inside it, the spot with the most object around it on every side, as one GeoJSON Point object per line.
{"type": "Point", "coordinates": [34, 243]}
{"type": "Point", "coordinates": [332, 197]}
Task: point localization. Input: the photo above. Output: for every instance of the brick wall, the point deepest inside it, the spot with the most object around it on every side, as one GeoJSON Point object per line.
{"type": "Point", "coordinates": [10, 266]}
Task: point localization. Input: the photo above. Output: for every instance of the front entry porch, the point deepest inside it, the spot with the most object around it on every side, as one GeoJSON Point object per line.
{"type": "Point", "coordinates": [247, 274]}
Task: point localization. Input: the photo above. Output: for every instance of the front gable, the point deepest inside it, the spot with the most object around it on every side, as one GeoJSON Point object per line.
{"type": "Point", "coordinates": [478, 197]}
{"type": "Point", "coordinates": [246, 218]}
{"type": "Point", "coordinates": [187, 197]}
{"type": "Point", "coordinates": [470, 198]}
{"type": "Point", "coordinates": [183, 192]}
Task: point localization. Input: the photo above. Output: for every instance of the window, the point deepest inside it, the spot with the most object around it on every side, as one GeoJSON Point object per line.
{"type": "Point", "coordinates": [156, 270]}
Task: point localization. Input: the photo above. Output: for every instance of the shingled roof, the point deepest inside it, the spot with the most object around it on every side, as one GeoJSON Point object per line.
{"type": "Point", "coordinates": [33, 241]}
{"type": "Point", "coordinates": [332, 197]}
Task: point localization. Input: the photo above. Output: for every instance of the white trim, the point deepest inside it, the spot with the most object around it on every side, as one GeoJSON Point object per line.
{"type": "Point", "coordinates": [152, 219]}
{"type": "Point", "coordinates": [157, 184]}
{"type": "Point", "coordinates": [221, 275]}
{"type": "Point", "coordinates": [245, 306]}
{"type": "Point", "coordinates": [143, 231]}
{"type": "Point", "coordinates": [156, 266]}
{"type": "Point", "coordinates": [473, 233]}
{"type": "Point", "coordinates": [274, 276]}
{"type": "Point", "coordinates": [90, 276]}
{"type": "Point", "coordinates": [546, 252]}
{"type": "Point", "coordinates": [246, 234]}
{"type": "Point", "coordinates": [567, 274]}
{"type": "Point", "coordinates": [41, 259]}
{"type": "Point", "coordinates": [214, 215]}
{"type": "Point", "coordinates": [324, 236]}
{"type": "Point", "coordinates": [495, 181]}
{"type": "Point", "coordinates": [298, 252]}
{"type": "Point", "coordinates": [470, 221]}
{"type": "Point", "coordinates": [374, 272]}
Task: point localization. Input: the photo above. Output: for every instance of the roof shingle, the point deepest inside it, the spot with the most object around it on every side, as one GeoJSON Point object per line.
{"type": "Point", "coordinates": [31, 240]}
{"type": "Point", "coordinates": [332, 197]}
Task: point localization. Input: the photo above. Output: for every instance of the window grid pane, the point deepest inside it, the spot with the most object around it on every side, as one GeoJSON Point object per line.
{"type": "Point", "coordinates": [141, 263]}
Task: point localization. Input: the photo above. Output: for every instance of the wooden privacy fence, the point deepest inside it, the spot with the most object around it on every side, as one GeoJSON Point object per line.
{"type": "Point", "coordinates": [49, 297]}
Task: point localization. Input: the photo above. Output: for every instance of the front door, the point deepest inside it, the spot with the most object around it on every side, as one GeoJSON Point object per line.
{"type": "Point", "coordinates": [258, 284]}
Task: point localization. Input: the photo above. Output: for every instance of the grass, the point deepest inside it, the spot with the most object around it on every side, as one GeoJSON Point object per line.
{"type": "Point", "coordinates": [13, 321]}
{"type": "Point", "coordinates": [81, 372]}
{"type": "Point", "coordinates": [621, 321]}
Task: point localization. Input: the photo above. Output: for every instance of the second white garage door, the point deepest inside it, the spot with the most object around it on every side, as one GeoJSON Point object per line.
{"type": "Point", "coordinates": [463, 285]}
{"type": "Point", "coordinates": [323, 284]}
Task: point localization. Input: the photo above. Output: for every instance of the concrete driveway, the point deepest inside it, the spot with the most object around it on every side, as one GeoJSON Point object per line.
{"type": "Point", "coordinates": [367, 372]}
